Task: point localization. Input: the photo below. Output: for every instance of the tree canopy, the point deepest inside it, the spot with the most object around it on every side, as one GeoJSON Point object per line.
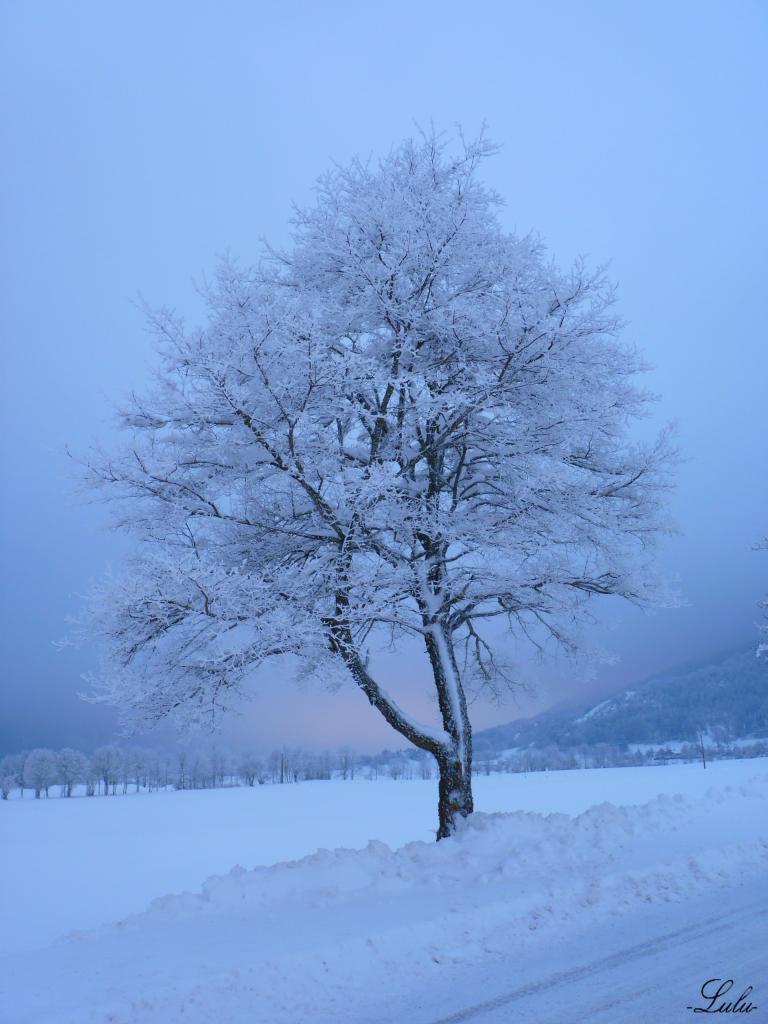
{"type": "Point", "coordinates": [411, 422]}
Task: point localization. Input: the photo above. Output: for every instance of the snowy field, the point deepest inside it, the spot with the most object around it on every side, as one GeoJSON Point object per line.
{"type": "Point", "coordinates": [579, 862]}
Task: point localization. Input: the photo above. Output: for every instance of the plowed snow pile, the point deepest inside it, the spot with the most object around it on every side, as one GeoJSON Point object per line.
{"type": "Point", "coordinates": [328, 936]}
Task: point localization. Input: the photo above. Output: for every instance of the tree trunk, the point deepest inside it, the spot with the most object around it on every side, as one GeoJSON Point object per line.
{"type": "Point", "coordinates": [455, 763]}
{"type": "Point", "coordinates": [454, 794]}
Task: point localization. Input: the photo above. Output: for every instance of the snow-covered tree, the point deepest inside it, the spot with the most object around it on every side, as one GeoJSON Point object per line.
{"type": "Point", "coordinates": [72, 768]}
{"type": "Point", "coordinates": [398, 766]}
{"type": "Point", "coordinates": [11, 774]}
{"type": "Point", "coordinates": [200, 771]}
{"type": "Point", "coordinates": [251, 769]}
{"type": "Point", "coordinates": [411, 424]}
{"type": "Point", "coordinates": [134, 769]}
{"type": "Point", "coordinates": [220, 767]}
{"type": "Point", "coordinates": [40, 771]}
{"type": "Point", "coordinates": [316, 766]}
{"type": "Point", "coordinates": [91, 779]}
{"type": "Point", "coordinates": [182, 762]}
{"type": "Point", "coordinates": [107, 763]}
{"type": "Point", "coordinates": [347, 763]}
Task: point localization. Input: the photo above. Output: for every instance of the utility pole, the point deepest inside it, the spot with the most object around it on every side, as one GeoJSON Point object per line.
{"type": "Point", "coordinates": [701, 748]}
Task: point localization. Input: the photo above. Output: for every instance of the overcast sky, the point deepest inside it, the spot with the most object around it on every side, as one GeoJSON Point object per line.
{"type": "Point", "coordinates": [142, 139]}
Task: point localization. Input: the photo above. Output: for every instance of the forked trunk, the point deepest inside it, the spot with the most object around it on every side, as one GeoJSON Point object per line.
{"type": "Point", "coordinates": [453, 748]}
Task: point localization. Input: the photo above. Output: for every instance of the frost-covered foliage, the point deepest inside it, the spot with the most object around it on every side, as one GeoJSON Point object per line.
{"type": "Point", "coordinates": [72, 768]}
{"type": "Point", "coordinates": [251, 769]}
{"type": "Point", "coordinates": [106, 765]}
{"type": "Point", "coordinates": [410, 424]}
{"type": "Point", "coordinates": [40, 770]}
{"type": "Point", "coordinates": [11, 774]}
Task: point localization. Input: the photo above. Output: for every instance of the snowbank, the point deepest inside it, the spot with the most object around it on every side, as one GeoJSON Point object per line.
{"type": "Point", "coordinates": [168, 842]}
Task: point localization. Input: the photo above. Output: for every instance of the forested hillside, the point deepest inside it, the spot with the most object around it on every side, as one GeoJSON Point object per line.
{"type": "Point", "coordinates": [726, 698]}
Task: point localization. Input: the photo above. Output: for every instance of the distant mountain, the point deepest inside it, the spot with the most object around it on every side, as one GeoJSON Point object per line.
{"type": "Point", "coordinates": [726, 697]}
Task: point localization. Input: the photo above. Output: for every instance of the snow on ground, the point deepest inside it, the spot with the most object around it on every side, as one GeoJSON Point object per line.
{"type": "Point", "coordinates": [328, 936]}
{"type": "Point", "coordinates": [94, 860]}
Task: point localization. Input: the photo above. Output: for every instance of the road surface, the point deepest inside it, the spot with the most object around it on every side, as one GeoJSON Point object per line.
{"type": "Point", "coordinates": [641, 968]}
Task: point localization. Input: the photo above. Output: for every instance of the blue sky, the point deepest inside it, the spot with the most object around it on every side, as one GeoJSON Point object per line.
{"type": "Point", "coordinates": [141, 140]}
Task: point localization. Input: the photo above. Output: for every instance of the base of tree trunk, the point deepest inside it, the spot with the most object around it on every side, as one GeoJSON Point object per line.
{"type": "Point", "coordinates": [454, 796]}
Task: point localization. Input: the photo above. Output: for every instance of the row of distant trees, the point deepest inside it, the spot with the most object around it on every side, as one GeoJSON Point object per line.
{"type": "Point", "coordinates": [104, 771]}
{"type": "Point", "coordinates": [607, 755]}
{"type": "Point", "coordinates": [112, 769]}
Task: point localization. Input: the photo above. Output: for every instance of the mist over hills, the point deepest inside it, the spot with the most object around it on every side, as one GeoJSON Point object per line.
{"type": "Point", "coordinates": [726, 697]}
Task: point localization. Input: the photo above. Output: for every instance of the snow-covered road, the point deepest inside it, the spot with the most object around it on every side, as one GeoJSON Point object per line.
{"type": "Point", "coordinates": [640, 970]}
